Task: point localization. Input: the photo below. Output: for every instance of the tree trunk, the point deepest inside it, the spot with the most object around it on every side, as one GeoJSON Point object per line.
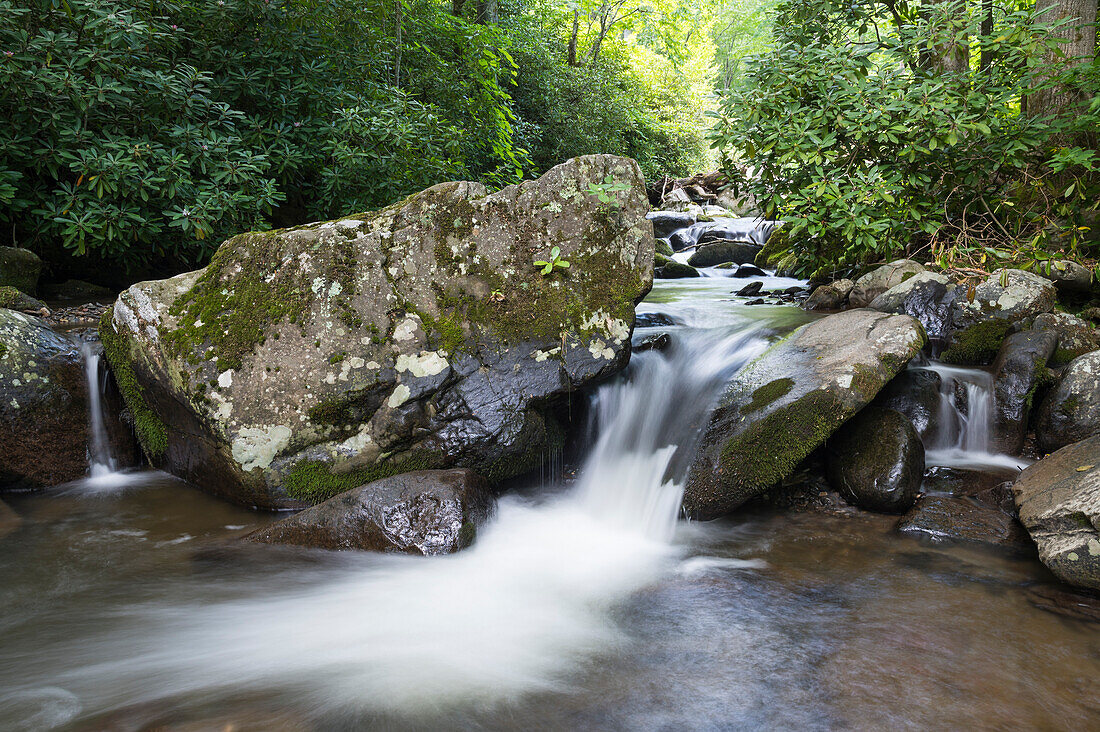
{"type": "Point", "coordinates": [487, 12]}
{"type": "Point", "coordinates": [573, 38]}
{"type": "Point", "coordinates": [953, 56]}
{"type": "Point", "coordinates": [1076, 46]}
{"type": "Point", "coordinates": [986, 31]}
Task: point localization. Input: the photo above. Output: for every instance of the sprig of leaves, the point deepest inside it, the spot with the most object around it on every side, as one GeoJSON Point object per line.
{"type": "Point", "coordinates": [555, 262]}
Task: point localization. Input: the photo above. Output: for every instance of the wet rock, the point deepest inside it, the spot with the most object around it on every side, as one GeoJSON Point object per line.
{"type": "Point", "coordinates": [723, 250]}
{"type": "Point", "coordinates": [1017, 373]}
{"type": "Point", "coordinates": [1056, 599]}
{"type": "Point", "coordinates": [307, 361]}
{"type": "Point", "coordinates": [876, 461]}
{"type": "Point", "coordinates": [752, 288]}
{"type": "Point", "coordinates": [927, 296]}
{"type": "Point", "coordinates": [670, 269]}
{"type": "Point", "coordinates": [881, 279]}
{"type": "Point", "coordinates": [43, 405]}
{"type": "Point", "coordinates": [916, 394]}
{"type": "Point", "coordinates": [1075, 336]}
{"type": "Point", "coordinates": [653, 320]}
{"type": "Point", "coordinates": [1071, 410]}
{"type": "Point", "coordinates": [1058, 499]}
{"type": "Point", "coordinates": [949, 519]}
{"type": "Point", "coordinates": [19, 268]}
{"type": "Point", "coordinates": [789, 401]}
{"type": "Point", "coordinates": [1011, 295]}
{"type": "Point", "coordinates": [1069, 276]}
{"type": "Point", "coordinates": [746, 229]}
{"type": "Point", "coordinates": [681, 240]}
{"type": "Point", "coordinates": [749, 270]}
{"type": "Point", "coordinates": [13, 299]}
{"type": "Point", "coordinates": [663, 246]}
{"type": "Point", "coordinates": [833, 296]}
{"type": "Point", "coordinates": [978, 344]}
{"type": "Point", "coordinates": [665, 223]}
{"type": "Point", "coordinates": [652, 342]}
{"type": "Point", "coordinates": [425, 512]}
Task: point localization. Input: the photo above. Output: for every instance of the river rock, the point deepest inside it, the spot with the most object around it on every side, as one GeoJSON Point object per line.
{"type": "Point", "coordinates": [43, 405]}
{"type": "Point", "coordinates": [832, 296]}
{"type": "Point", "coordinates": [1071, 411]}
{"type": "Point", "coordinates": [788, 402]}
{"type": "Point", "coordinates": [1069, 276]}
{"type": "Point", "coordinates": [663, 246]}
{"type": "Point", "coordinates": [304, 362]}
{"type": "Point", "coordinates": [964, 519]}
{"type": "Point", "coordinates": [425, 512]}
{"type": "Point", "coordinates": [19, 268]}
{"type": "Point", "coordinates": [881, 279]}
{"type": "Point", "coordinates": [916, 394]}
{"type": "Point", "coordinates": [876, 461]}
{"type": "Point", "coordinates": [14, 299]}
{"type": "Point", "coordinates": [1058, 499]}
{"type": "Point", "coordinates": [927, 296]}
{"type": "Point", "coordinates": [1011, 295]}
{"type": "Point", "coordinates": [723, 250]}
{"type": "Point", "coordinates": [745, 271]}
{"type": "Point", "coordinates": [669, 269]}
{"type": "Point", "coordinates": [1075, 336]}
{"type": "Point", "coordinates": [665, 223]}
{"type": "Point", "coordinates": [1017, 372]}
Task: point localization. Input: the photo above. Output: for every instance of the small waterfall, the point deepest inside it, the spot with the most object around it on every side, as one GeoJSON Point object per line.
{"type": "Point", "coordinates": [100, 461]}
{"type": "Point", "coordinates": [963, 435]}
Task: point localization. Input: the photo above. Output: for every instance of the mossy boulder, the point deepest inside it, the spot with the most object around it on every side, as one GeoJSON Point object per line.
{"type": "Point", "coordinates": [426, 512]}
{"type": "Point", "coordinates": [785, 404]}
{"type": "Point", "coordinates": [305, 362]}
{"type": "Point", "coordinates": [19, 268]}
{"type": "Point", "coordinates": [724, 250]}
{"type": "Point", "coordinates": [669, 269]}
{"type": "Point", "coordinates": [977, 344]}
{"type": "Point", "coordinates": [1020, 367]}
{"type": "Point", "coordinates": [1071, 410]}
{"type": "Point", "coordinates": [831, 296]}
{"type": "Point", "coordinates": [1012, 295]}
{"type": "Point", "coordinates": [876, 461]}
{"type": "Point", "coordinates": [1075, 336]}
{"type": "Point", "coordinates": [1058, 499]}
{"type": "Point", "coordinates": [43, 405]}
{"type": "Point", "coordinates": [14, 299]}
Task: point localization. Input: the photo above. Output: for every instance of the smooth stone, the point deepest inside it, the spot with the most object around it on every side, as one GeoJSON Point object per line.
{"type": "Point", "coordinates": [1058, 499]}
{"type": "Point", "coordinates": [832, 296]}
{"type": "Point", "coordinates": [967, 520]}
{"type": "Point", "coordinates": [426, 512]}
{"type": "Point", "coordinates": [723, 250]}
{"type": "Point", "coordinates": [916, 394]}
{"type": "Point", "coordinates": [673, 270]}
{"type": "Point", "coordinates": [665, 223]}
{"type": "Point", "coordinates": [927, 296]}
{"type": "Point", "coordinates": [748, 270]}
{"type": "Point", "coordinates": [1069, 276]}
{"type": "Point", "coordinates": [881, 279]}
{"type": "Point", "coordinates": [652, 342]}
{"type": "Point", "coordinates": [753, 288]}
{"type": "Point", "coordinates": [653, 320]}
{"type": "Point", "coordinates": [1071, 410]}
{"type": "Point", "coordinates": [876, 461]}
{"type": "Point", "coordinates": [663, 246]}
{"type": "Point", "coordinates": [1075, 336]}
{"type": "Point", "coordinates": [14, 299]}
{"type": "Point", "coordinates": [1017, 371]}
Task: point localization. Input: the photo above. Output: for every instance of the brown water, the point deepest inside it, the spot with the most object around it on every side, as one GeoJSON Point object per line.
{"type": "Point", "coordinates": [833, 622]}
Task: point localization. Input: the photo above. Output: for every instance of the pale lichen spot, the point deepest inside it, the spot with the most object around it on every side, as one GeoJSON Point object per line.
{"type": "Point", "coordinates": [399, 396]}
{"type": "Point", "coordinates": [406, 330]}
{"type": "Point", "coordinates": [225, 379]}
{"type": "Point", "coordinates": [427, 363]}
{"type": "Point", "coordinates": [256, 447]}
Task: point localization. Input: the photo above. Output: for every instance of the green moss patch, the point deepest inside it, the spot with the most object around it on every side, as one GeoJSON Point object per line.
{"type": "Point", "coordinates": [151, 431]}
{"type": "Point", "coordinates": [978, 344]}
{"type": "Point", "coordinates": [9, 296]}
{"type": "Point", "coordinates": [767, 394]}
{"type": "Point", "coordinates": [314, 481]}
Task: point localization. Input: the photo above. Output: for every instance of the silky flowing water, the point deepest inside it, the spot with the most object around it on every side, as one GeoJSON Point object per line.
{"type": "Point", "coordinates": [581, 606]}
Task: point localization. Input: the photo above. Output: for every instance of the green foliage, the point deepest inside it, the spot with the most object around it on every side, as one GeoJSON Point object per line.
{"type": "Point", "coordinates": [604, 190]}
{"type": "Point", "coordinates": [555, 262]}
{"type": "Point", "coordinates": [870, 146]}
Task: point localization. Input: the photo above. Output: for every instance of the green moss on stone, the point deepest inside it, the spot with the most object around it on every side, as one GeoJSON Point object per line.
{"type": "Point", "coordinates": [767, 394]}
{"type": "Point", "coordinates": [314, 481]}
{"type": "Point", "coordinates": [9, 296]}
{"type": "Point", "coordinates": [151, 430]}
{"type": "Point", "coordinates": [978, 344]}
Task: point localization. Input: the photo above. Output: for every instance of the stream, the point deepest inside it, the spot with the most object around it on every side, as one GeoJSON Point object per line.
{"type": "Point", "coordinates": [125, 604]}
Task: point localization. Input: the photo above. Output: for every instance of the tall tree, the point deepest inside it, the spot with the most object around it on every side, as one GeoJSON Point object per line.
{"type": "Point", "coordinates": [1075, 33]}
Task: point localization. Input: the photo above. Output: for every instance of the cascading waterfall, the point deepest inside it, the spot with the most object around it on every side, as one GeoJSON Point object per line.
{"type": "Point", "coordinates": [100, 461]}
{"type": "Point", "coordinates": [518, 612]}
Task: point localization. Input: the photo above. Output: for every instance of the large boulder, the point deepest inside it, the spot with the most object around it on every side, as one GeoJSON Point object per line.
{"type": "Point", "coordinates": [19, 268]}
{"type": "Point", "coordinates": [667, 268]}
{"type": "Point", "coordinates": [1058, 499]}
{"type": "Point", "coordinates": [14, 299]}
{"type": "Point", "coordinates": [723, 250]}
{"type": "Point", "coordinates": [1017, 373]}
{"type": "Point", "coordinates": [831, 296]}
{"type": "Point", "coordinates": [876, 461]}
{"type": "Point", "coordinates": [1069, 277]}
{"type": "Point", "coordinates": [43, 405]}
{"type": "Point", "coordinates": [1010, 295]}
{"type": "Point", "coordinates": [915, 393]}
{"type": "Point", "coordinates": [1075, 336]}
{"type": "Point", "coordinates": [788, 402]}
{"type": "Point", "coordinates": [302, 363]}
{"type": "Point", "coordinates": [1071, 411]}
{"type": "Point", "coordinates": [425, 512]}
{"type": "Point", "coordinates": [881, 279]}
{"type": "Point", "coordinates": [665, 223]}
{"type": "Point", "coordinates": [927, 296]}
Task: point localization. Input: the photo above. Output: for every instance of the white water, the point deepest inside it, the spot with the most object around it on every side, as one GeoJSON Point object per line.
{"type": "Point", "coordinates": [963, 439]}
{"type": "Point", "coordinates": [521, 611]}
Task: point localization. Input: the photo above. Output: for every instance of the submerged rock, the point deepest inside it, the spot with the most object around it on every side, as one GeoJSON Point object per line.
{"type": "Point", "coordinates": [1058, 499]}
{"type": "Point", "coordinates": [1010, 295]}
{"type": "Point", "coordinates": [789, 401]}
{"type": "Point", "coordinates": [19, 268]}
{"type": "Point", "coordinates": [301, 363]}
{"type": "Point", "coordinates": [881, 279]}
{"type": "Point", "coordinates": [876, 461]}
{"type": "Point", "coordinates": [1071, 411]}
{"type": "Point", "coordinates": [1017, 373]}
{"type": "Point", "coordinates": [723, 250]}
{"type": "Point", "coordinates": [425, 512]}
{"type": "Point", "coordinates": [669, 269]}
{"type": "Point", "coordinates": [43, 405]}
{"type": "Point", "coordinates": [927, 296]}
{"type": "Point", "coordinates": [966, 520]}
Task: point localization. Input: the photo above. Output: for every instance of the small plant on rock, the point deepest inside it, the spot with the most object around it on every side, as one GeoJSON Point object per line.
{"type": "Point", "coordinates": [604, 190]}
{"type": "Point", "coordinates": [555, 262]}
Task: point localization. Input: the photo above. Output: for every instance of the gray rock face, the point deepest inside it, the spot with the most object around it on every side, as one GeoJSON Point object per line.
{"type": "Point", "coordinates": [19, 268]}
{"type": "Point", "coordinates": [878, 281]}
{"type": "Point", "coordinates": [833, 296]}
{"type": "Point", "coordinates": [667, 222]}
{"type": "Point", "coordinates": [1008, 294]}
{"type": "Point", "coordinates": [1069, 276]}
{"type": "Point", "coordinates": [916, 394]}
{"type": "Point", "coordinates": [788, 402]}
{"type": "Point", "coordinates": [1075, 336]}
{"type": "Point", "coordinates": [876, 461]}
{"type": "Point", "coordinates": [425, 512]}
{"type": "Point", "coordinates": [1071, 411]}
{"type": "Point", "coordinates": [1016, 373]}
{"type": "Point", "coordinates": [927, 296]}
{"type": "Point", "coordinates": [43, 405]}
{"type": "Point", "coordinates": [723, 250]}
{"type": "Point", "coordinates": [306, 361]}
{"type": "Point", "coordinates": [1058, 499]}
